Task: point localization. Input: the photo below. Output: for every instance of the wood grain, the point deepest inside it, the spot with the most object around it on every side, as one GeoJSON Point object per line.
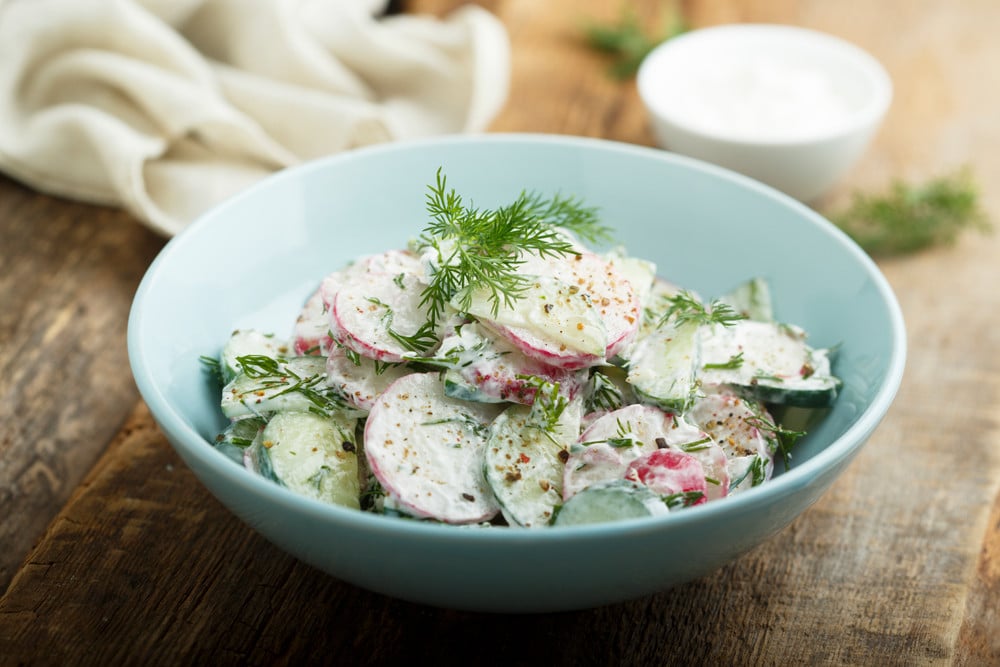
{"type": "Point", "coordinates": [898, 564]}
{"type": "Point", "coordinates": [67, 276]}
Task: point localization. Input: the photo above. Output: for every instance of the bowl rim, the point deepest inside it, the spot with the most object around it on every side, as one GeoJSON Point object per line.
{"type": "Point", "coordinates": [868, 115]}
{"type": "Point", "coordinates": [190, 444]}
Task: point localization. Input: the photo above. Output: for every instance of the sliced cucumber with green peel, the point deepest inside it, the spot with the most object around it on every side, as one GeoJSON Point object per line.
{"type": "Point", "coordinates": [767, 361]}
{"type": "Point", "coordinates": [313, 455]}
{"type": "Point", "coordinates": [268, 385]}
{"type": "Point", "coordinates": [610, 501]}
{"type": "Point", "coordinates": [243, 342]}
{"type": "Point", "coordinates": [239, 435]}
{"type": "Point", "coordinates": [663, 366]}
{"type": "Point", "coordinates": [752, 300]}
{"type": "Point", "coordinates": [523, 464]}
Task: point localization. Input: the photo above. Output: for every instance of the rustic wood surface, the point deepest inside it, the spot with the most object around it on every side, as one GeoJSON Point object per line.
{"type": "Point", "coordinates": [112, 553]}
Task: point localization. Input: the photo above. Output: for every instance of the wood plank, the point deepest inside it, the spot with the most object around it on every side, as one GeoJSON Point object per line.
{"type": "Point", "coordinates": [898, 564]}
{"type": "Point", "coordinates": [67, 276]}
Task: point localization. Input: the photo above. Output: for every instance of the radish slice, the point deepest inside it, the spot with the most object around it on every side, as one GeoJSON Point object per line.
{"type": "Point", "coordinates": [371, 312]}
{"type": "Point", "coordinates": [580, 311]}
{"type": "Point", "coordinates": [613, 441]}
{"type": "Point", "coordinates": [734, 424]}
{"type": "Point", "coordinates": [670, 471]}
{"type": "Point", "coordinates": [360, 379]}
{"type": "Point", "coordinates": [311, 334]}
{"type": "Point", "coordinates": [428, 450]}
{"type": "Point", "coordinates": [488, 368]}
{"type": "Point", "coordinates": [604, 451]}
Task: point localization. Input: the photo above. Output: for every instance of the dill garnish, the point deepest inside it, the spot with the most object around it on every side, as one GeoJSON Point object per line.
{"type": "Point", "coordinates": [910, 217]}
{"type": "Point", "coordinates": [482, 249]}
{"type": "Point", "coordinates": [628, 43]}
{"type": "Point", "coordinates": [685, 308]}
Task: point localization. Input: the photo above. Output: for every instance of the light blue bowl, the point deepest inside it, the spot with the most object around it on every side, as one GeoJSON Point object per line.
{"type": "Point", "coordinates": [253, 261]}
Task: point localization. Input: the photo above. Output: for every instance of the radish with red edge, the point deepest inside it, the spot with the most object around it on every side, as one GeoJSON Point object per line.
{"type": "Point", "coordinates": [428, 450]}
{"type": "Point", "coordinates": [358, 379]}
{"type": "Point", "coordinates": [484, 367]}
{"type": "Point", "coordinates": [578, 312]}
{"type": "Point", "coordinates": [605, 449]}
{"type": "Point", "coordinates": [311, 334]}
{"type": "Point", "coordinates": [380, 316]}
{"type": "Point", "coordinates": [736, 424]}
{"type": "Point", "coordinates": [670, 471]}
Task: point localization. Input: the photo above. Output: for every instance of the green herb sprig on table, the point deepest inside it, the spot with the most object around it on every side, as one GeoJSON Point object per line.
{"type": "Point", "coordinates": [910, 217]}
{"type": "Point", "coordinates": [628, 43]}
{"type": "Point", "coordinates": [481, 249]}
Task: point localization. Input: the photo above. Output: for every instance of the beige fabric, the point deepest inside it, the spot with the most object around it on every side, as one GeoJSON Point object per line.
{"type": "Point", "coordinates": [166, 107]}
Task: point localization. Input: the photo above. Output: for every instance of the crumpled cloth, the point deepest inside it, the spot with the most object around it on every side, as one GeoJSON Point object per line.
{"type": "Point", "coordinates": [167, 107]}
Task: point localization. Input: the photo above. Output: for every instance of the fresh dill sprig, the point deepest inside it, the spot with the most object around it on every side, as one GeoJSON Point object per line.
{"type": "Point", "coordinates": [279, 378]}
{"type": "Point", "coordinates": [482, 249]}
{"type": "Point", "coordinates": [734, 362]}
{"type": "Point", "coordinates": [685, 308]}
{"type": "Point", "coordinates": [910, 217]}
{"type": "Point", "coordinates": [628, 43]}
{"type": "Point", "coordinates": [214, 367]}
{"type": "Point", "coordinates": [569, 213]}
{"type": "Point", "coordinates": [603, 394]}
{"type": "Point", "coordinates": [683, 499]}
{"type": "Point", "coordinates": [780, 439]}
{"type": "Point", "coordinates": [548, 405]}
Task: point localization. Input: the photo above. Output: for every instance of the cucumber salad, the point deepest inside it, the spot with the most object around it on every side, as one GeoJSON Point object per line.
{"type": "Point", "coordinates": [496, 371]}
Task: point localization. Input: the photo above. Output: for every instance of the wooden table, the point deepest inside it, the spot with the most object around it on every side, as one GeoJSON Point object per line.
{"type": "Point", "coordinates": [111, 552]}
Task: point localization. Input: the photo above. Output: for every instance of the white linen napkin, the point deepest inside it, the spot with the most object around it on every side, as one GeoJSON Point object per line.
{"type": "Point", "coordinates": [167, 107]}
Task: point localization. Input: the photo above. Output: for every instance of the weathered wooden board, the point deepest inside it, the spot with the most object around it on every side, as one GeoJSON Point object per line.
{"type": "Point", "coordinates": [67, 276]}
{"type": "Point", "coordinates": [898, 564]}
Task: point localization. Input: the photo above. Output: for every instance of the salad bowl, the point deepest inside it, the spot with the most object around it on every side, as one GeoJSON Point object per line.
{"type": "Point", "coordinates": [253, 261]}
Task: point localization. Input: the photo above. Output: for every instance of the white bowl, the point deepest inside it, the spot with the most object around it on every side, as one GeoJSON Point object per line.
{"type": "Point", "coordinates": [790, 107]}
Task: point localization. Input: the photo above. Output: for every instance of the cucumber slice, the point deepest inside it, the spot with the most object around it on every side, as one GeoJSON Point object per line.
{"type": "Point", "coordinates": [611, 501]}
{"type": "Point", "coordinates": [752, 300]}
{"type": "Point", "coordinates": [768, 361]}
{"type": "Point", "coordinates": [271, 385]}
{"type": "Point", "coordinates": [244, 342]}
{"type": "Point", "coordinates": [523, 464]}
{"type": "Point", "coordinates": [239, 435]}
{"type": "Point", "coordinates": [663, 366]}
{"type": "Point", "coordinates": [313, 455]}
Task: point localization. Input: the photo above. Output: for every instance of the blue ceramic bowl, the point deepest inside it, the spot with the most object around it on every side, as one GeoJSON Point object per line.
{"type": "Point", "coordinates": [252, 262]}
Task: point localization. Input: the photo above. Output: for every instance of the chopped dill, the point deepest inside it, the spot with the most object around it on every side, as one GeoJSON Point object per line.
{"type": "Point", "coordinates": [686, 308]}
{"type": "Point", "coordinates": [628, 43]}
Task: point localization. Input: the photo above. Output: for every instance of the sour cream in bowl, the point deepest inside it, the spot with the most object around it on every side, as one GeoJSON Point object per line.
{"type": "Point", "coordinates": [791, 107]}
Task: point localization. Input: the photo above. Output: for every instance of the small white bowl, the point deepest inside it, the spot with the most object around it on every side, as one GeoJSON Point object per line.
{"type": "Point", "coordinates": [791, 107]}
